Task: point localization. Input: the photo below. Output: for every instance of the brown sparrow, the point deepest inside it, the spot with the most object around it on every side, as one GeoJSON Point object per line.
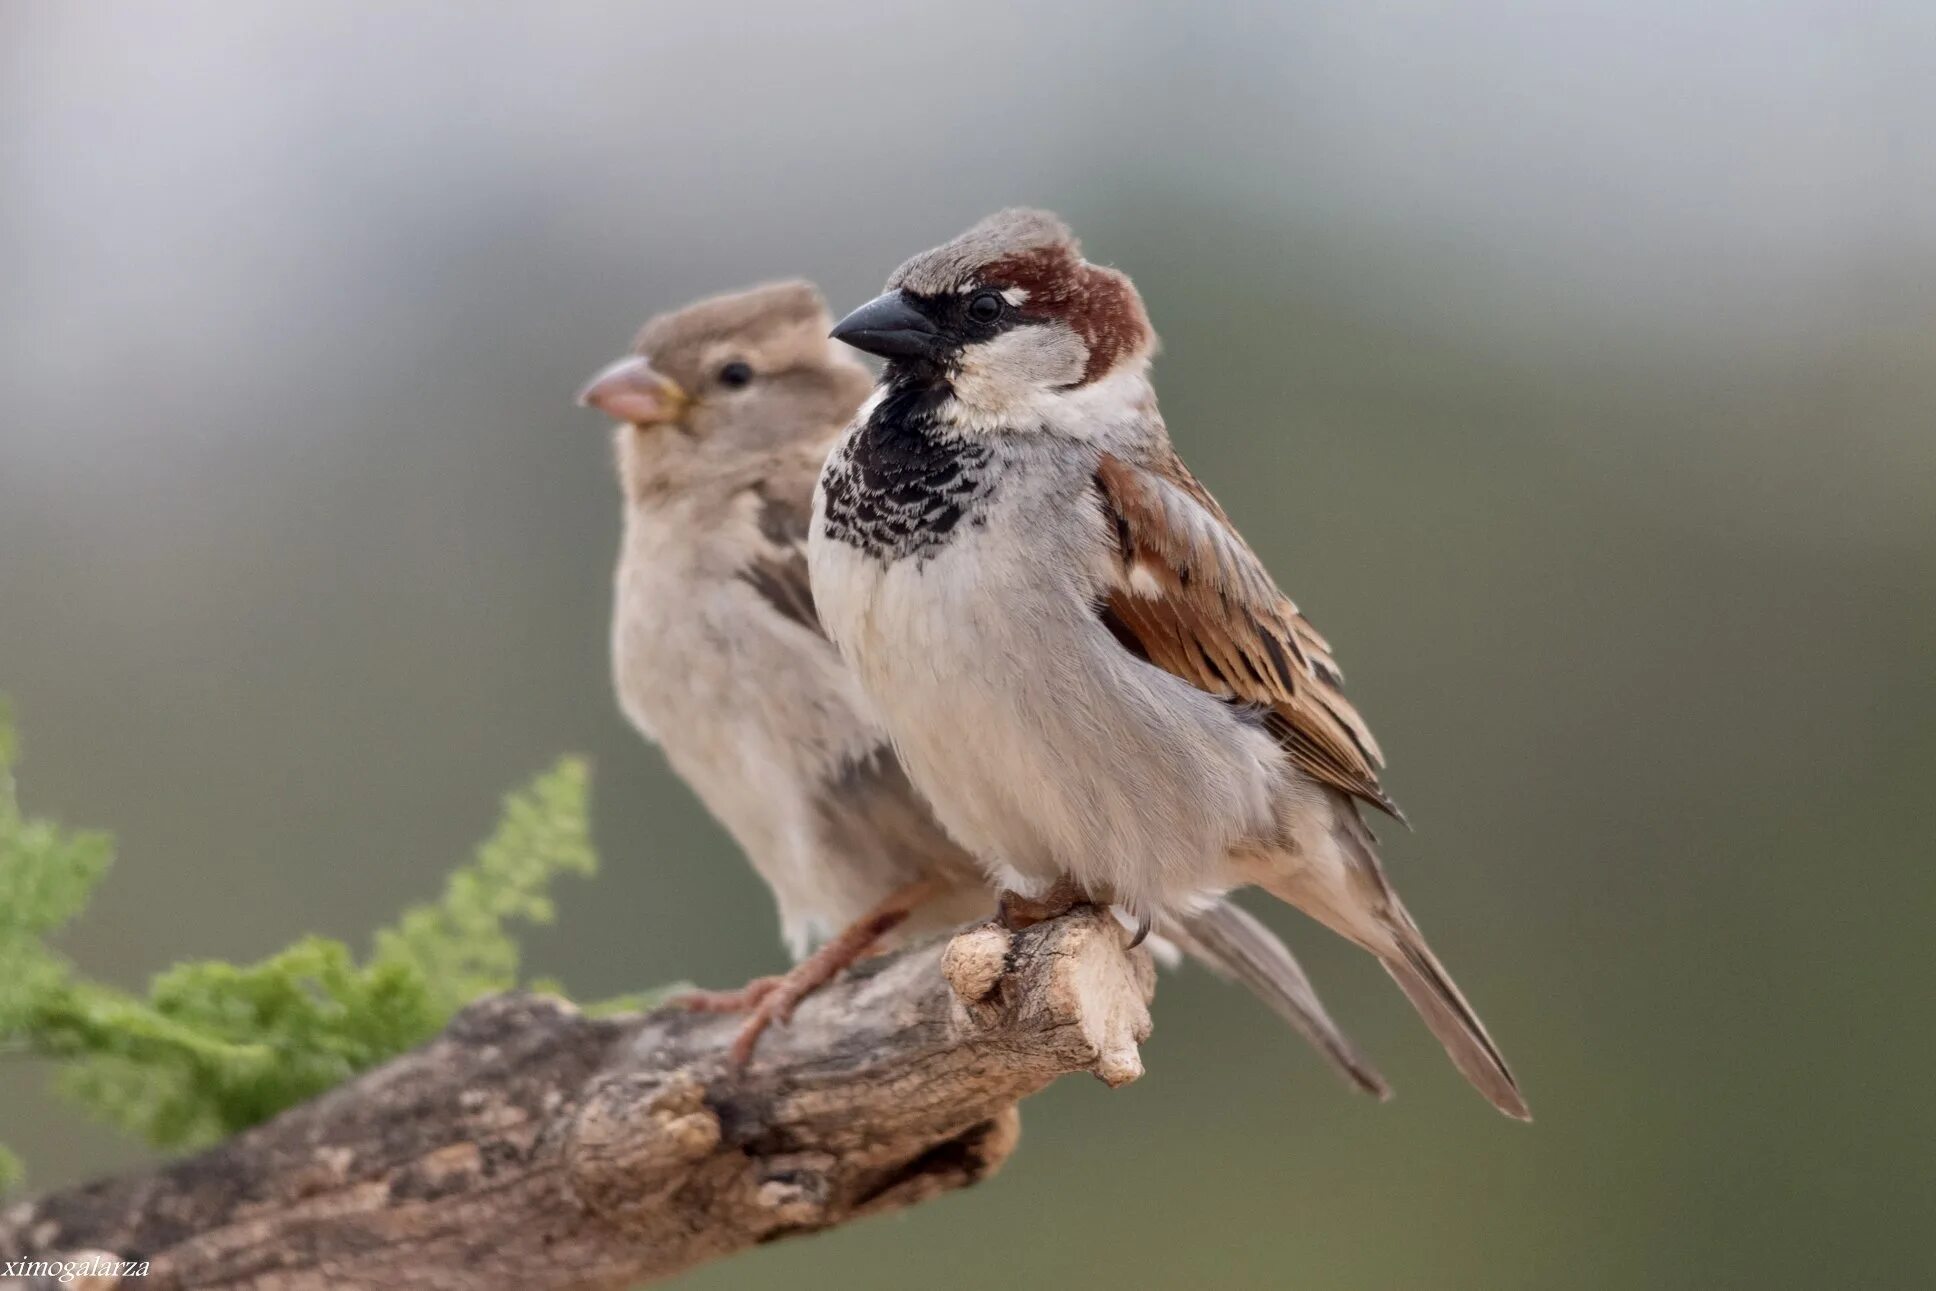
{"type": "Point", "coordinates": [1089, 675]}
{"type": "Point", "coordinates": [726, 410]}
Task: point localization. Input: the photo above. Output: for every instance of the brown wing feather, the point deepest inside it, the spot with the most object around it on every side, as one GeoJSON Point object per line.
{"type": "Point", "coordinates": [783, 510]}
{"type": "Point", "coordinates": [1195, 601]}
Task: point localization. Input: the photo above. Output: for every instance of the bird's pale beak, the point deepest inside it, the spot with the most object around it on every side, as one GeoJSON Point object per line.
{"type": "Point", "coordinates": [890, 326]}
{"type": "Point", "coordinates": [629, 390]}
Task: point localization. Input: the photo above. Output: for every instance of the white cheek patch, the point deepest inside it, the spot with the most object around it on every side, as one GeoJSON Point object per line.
{"type": "Point", "coordinates": [1008, 375]}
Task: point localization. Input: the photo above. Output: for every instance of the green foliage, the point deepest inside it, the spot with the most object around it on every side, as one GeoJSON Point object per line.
{"type": "Point", "coordinates": [216, 1047]}
{"type": "Point", "coordinates": [46, 874]}
{"type": "Point", "coordinates": [458, 946]}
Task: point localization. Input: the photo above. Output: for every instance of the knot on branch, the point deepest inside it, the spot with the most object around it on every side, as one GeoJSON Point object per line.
{"type": "Point", "coordinates": [636, 1136]}
{"type": "Point", "coordinates": [1081, 992]}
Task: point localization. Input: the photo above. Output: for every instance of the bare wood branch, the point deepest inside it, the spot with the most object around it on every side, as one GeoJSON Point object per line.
{"type": "Point", "coordinates": [532, 1146]}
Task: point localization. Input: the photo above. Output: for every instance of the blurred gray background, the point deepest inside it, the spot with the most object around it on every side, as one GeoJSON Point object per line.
{"type": "Point", "coordinates": [1571, 365]}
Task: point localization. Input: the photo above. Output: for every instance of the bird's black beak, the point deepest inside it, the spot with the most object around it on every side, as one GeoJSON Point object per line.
{"type": "Point", "coordinates": [891, 327]}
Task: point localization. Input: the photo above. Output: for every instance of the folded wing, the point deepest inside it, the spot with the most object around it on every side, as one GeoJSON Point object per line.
{"type": "Point", "coordinates": [1195, 601]}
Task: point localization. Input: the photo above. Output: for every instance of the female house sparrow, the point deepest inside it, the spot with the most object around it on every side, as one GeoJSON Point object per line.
{"type": "Point", "coordinates": [727, 410]}
{"type": "Point", "coordinates": [1090, 676]}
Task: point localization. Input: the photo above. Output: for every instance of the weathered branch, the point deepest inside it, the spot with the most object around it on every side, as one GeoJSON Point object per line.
{"type": "Point", "coordinates": [534, 1147]}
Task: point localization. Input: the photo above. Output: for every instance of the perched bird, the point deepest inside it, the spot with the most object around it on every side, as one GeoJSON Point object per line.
{"type": "Point", "coordinates": [1085, 670]}
{"type": "Point", "coordinates": [726, 410]}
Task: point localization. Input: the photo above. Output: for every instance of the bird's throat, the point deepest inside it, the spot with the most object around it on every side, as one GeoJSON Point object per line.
{"type": "Point", "coordinates": [904, 485]}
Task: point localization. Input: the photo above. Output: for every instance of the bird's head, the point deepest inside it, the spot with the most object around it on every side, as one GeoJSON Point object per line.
{"type": "Point", "coordinates": [1008, 316]}
{"type": "Point", "coordinates": [742, 372]}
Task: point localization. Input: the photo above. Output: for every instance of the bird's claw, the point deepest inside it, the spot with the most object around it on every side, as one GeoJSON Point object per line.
{"type": "Point", "coordinates": [777, 1006]}
{"type": "Point", "coordinates": [738, 1000]}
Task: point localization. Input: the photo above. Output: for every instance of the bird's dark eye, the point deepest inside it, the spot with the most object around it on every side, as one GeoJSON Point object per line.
{"type": "Point", "coordinates": [985, 306]}
{"type": "Point", "coordinates": [735, 374]}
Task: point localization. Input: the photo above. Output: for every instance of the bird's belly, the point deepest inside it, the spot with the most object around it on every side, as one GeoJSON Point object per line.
{"type": "Point", "coordinates": [1045, 748]}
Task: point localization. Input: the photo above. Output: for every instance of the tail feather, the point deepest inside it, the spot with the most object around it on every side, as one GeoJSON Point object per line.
{"type": "Point", "coordinates": [1233, 944]}
{"type": "Point", "coordinates": [1444, 1009]}
{"type": "Point", "coordinates": [1344, 887]}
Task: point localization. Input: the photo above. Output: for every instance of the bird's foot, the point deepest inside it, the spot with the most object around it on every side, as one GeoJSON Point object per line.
{"type": "Point", "coordinates": [734, 1001]}
{"type": "Point", "coordinates": [779, 996]}
{"type": "Point", "coordinates": [1016, 912]}
{"type": "Point", "coordinates": [777, 1005]}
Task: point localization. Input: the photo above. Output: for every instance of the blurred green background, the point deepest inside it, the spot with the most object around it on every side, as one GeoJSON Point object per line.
{"type": "Point", "coordinates": [1571, 365]}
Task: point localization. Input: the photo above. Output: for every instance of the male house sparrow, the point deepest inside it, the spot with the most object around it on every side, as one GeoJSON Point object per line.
{"type": "Point", "coordinates": [727, 410]}
{"type": "Point", "coordinates": [1085, 670]}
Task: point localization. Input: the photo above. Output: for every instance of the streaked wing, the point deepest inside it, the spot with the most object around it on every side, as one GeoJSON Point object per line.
{"type": "Point", "coordinates": [778, 570]}
{"type": "Point", "coordinates": [1195, 601]}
